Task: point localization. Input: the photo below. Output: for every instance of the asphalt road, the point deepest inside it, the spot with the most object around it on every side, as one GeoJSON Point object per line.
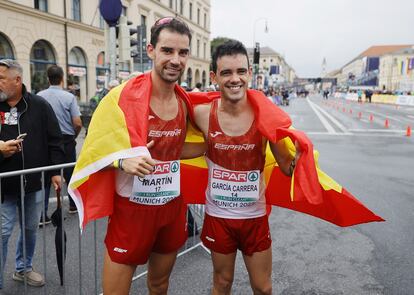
{"type": "Point", "coordinates": [310, 256]}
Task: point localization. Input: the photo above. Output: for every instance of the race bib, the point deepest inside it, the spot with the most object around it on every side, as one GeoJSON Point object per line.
{"type": "Point", "coordinates": [234, 189]}
{"type": "Point", "coordinates": [158, 188]}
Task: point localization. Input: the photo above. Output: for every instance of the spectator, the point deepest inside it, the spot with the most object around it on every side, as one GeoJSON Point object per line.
{"type": "Point", "coordinates": [197, 88]}
{"type": "Point", "coordinates": [368, 95]}
{"type": "Point", "coordinates": [66, 108]}
{"type": "Point", "coordinates": [23, 112]}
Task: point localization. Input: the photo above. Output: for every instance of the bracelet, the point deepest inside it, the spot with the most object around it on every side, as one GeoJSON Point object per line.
{"type": "Point", "coordinates": [120, 164]}
{"type": "Point", "coordinates": [116, 164]}
{"type": "Point", "coordinates": [292, 166]}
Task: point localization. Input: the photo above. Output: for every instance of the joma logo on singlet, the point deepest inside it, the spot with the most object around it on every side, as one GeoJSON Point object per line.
{"type": "Point", "coordinates": [235, 147]}
{"type": "Point", "coordinates": [166, 133]}
{"type": "Point", "coordinates": [229, 175]}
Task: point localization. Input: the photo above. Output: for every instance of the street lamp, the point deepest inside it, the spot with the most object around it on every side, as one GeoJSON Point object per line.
{"type": "Point", "coordinates": [256, 66]}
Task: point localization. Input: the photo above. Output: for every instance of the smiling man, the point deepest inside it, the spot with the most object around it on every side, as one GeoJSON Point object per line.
{"type": "Point", "coordinates": [235, 196]}
{"type": "Point", "coordinates": [147, 216]}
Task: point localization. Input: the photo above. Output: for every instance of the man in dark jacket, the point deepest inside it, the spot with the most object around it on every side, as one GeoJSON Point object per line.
{"type": "Point", "coordinates": [24, 113]}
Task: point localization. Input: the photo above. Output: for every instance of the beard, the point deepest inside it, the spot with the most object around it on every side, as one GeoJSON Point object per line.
{"type": "Point", "coordinates": [3, 96]}
{"type": "Point", "coordinates": [169, 78]}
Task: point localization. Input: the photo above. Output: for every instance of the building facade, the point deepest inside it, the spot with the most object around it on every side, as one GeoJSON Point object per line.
{"type": "Point", "coordinates": [386, 68]}
{"type": "Point", "coordinates": [273, 67]}
{"type": "Point", "coordinates": [70, 33]}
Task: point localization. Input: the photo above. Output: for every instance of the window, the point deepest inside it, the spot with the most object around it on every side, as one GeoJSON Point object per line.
{"type": "Point", "coordinates": [171, 4]}
{"type": "Point", "coordinates": [143, 20]}
{"type": "Point", "coordinates": [198, 48]}
{"type": "Point", "coordinates": [198, 15]}
{"type": "Point", "coordinates": [181, 7]}
{"type": "Point", "coordinates": [204, 50]}
{"type": "Point", "coordinates": [41, 5]}
{"type": "Point", "coordinates": [205, 20]}
{"type": "Point", "coordinates": [124, 11]}
{"type": "Point", "coordinates": [6, 50]}
{"type": "Point", "coordinates": [191, 11]}
{"type": "Point", "coordinates": [76, 10]}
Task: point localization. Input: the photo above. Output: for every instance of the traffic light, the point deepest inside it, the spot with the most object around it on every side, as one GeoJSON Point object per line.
{"type": "Point", "coordinates": [124, 40]}
{"type": "Point", "coordinates": [256, 54]}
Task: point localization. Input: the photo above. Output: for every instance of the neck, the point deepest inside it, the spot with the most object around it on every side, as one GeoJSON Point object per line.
{"type": "Point", "coordinates": [162, 89]}
{"type": "Point", "coordinates": [234, 107]}
{"type": "Point", "coordinates": [12, 101]}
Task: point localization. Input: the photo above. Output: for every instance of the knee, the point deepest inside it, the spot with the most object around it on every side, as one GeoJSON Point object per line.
{"type": "Point", "coordinates": [157, 287]}
{"type": "Point", "coordinates": [265, 289]}
{"type": "Point", "coordinates": [223, 283]}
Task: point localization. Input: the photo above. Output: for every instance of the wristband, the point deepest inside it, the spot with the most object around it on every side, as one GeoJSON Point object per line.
{"type": "Point", "coordinates": [120, 161]}
{"type": "Point", "coordinates": [116, 164]}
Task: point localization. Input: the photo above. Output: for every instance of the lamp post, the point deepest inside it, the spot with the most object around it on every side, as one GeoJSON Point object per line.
{"type": "Point", "coordinates": [256, 66]}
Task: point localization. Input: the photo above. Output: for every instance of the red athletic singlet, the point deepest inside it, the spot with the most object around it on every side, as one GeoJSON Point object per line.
{"type": "Point", "coordinates": [236, 186]}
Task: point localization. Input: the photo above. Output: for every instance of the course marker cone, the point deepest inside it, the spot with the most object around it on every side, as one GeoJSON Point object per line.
{"type": "Point", "coordinates": [359, 115]}
{"type": "Point", "coordinates": [350, 111]}
{"type": "Point", "coordinates": [387, 123]}
{"type": "Point", "coordinates": [371, 118]}
{"type": "Point", "coordinates": [408, 131]}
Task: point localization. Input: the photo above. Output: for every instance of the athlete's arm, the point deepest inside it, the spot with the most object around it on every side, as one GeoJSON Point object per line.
{"type": "Point", "coordinates": [193, 150]}
{"type": "Point", "coordinates": [139, 166]}
{"type": "Point", "coordinates": [284, 159]}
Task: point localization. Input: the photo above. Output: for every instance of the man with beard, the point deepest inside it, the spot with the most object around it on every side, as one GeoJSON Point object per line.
{"type": "Point", "coordinates": [235, 196]}
{"type": "Point", "coordinates": [30, 118]}
{"type": "Point", "coordinates": [148, 221]}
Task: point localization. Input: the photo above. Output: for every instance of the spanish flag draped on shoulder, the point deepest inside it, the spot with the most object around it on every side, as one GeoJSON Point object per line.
{"type": "Point", "coordinates": [118, 129]}
{"type": "Point", "coordinates": [309, 190]}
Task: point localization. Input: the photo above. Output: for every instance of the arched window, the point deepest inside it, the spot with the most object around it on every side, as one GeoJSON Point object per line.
{"type": "Point", "coordinates": [189, 77]}
{"type": "Point", "coordinates": [6, 50]}
{"type": "Point", "coordinates": [204, 79]}
{"type": "Point", "coordinates": [77, 73]}
{"type": "Point", "coordinates": [197, 76]}
{"type": "Point", "coordinates": [41, 57]}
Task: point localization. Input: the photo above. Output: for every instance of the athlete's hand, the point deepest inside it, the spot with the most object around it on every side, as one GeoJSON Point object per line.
{"type": "Point", "coordinates": [298, 151]}
{"type": "Point", "coordinates": [150, 144]}
{"type": "Point", "coordinates": [139, 166]}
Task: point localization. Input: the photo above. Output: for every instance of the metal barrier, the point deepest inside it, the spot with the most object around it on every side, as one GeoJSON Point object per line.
{"type": "Point", "coordinates": [80, 270]}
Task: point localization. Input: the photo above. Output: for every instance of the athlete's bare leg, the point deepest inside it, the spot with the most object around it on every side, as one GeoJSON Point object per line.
{"type": "Point", "coordinates": [116, 277]}
{"type": "Point", "coordinates": [159, 270]}
{"type": "Point", "coordinates": [259, 267]}
{"type": "Point", "coordinates": [223, 272]}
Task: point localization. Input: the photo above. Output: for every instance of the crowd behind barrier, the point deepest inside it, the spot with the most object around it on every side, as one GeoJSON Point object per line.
{"type": "Point", "coordinates": [407, 100]}
{"type": "Point", "coordinates": [84, 251]}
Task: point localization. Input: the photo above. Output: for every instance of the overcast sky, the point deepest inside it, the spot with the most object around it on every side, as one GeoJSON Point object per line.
{"type": "Point", "coordinates": [306, 31]}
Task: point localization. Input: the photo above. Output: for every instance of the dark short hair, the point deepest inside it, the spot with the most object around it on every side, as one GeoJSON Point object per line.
{"type": "Point", "coordinates": [170, 23]}
{"type": "Point", "coordinates": [198, 85]}
{"type": "Point", "coordinates": [55, 75]}
{"type": "Point", "coordinates": [230, 47]}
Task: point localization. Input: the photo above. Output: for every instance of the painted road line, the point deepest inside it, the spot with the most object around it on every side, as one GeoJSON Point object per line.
{"type": "Point", "coordinates": [384, 116]}
{"type": "Point", "coordinates": [378, 130]}
{"type": "Point", "coordinates": [361, 134]}
{"type": "Point", "coordinates": [324, 122]}
{"type": "Point", "coordinates": [335, 121]}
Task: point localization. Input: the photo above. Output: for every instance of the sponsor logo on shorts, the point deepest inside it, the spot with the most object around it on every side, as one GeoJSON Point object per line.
{"type": "Point", "coordinates": [119, 250]}
{"type": "Point", "coordinates": [210, 239]}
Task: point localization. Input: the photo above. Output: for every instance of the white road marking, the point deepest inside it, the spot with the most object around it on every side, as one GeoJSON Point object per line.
{"type": "Point", "coordinates": [324, 122]}
{"type": "Point", "coordinates": [336, 122]}
{"type": "Point", "coordinates": [384, 116]}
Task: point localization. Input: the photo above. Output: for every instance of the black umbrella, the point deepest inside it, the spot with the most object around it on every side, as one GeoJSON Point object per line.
{"type": "Point", "coordinates": [60, 237]}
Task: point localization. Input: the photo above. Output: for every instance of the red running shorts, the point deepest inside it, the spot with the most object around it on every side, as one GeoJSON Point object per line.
{"type": "Point", "coordinates": [135, 230]}
{"type": "Point", "coordinates": [225, 236]}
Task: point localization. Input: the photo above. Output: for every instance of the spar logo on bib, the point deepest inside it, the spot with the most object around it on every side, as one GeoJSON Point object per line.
{"type": "Point", "coordinates": [230, 175]}
{"type": "Point", "coordinates": [253, 176]}
{"type": "Point", "coordinates": [164, 168]}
